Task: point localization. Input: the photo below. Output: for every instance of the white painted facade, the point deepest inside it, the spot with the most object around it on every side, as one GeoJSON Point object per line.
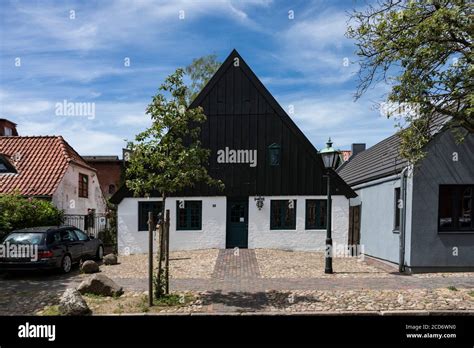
{"type": "Point", "coordinates": [213, 232]}
{"type": "Point", "coordinates": [66, 196]}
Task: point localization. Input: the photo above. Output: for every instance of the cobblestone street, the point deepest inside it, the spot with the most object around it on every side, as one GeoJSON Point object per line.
{"type": "Point", "coordinates": [246, 280]}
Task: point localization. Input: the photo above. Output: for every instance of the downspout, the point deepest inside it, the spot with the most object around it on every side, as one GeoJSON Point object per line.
{"type": "Point", "coordinates": [403, 196]}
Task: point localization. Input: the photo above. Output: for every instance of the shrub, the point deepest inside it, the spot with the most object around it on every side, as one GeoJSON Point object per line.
{"type": "Point", "coordinates": [19, 212]}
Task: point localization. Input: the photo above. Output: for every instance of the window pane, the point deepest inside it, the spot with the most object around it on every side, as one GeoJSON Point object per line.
{"type": "Point", "coordinates": [446, 214]}
{"type": "Point", "coordinates": [465, 209]}
{"type": "Point", "coordinates": [143, 209]}
{"type": "Point", "coordinates": [316, 214]}
{"type": "Point", "coordinates": [281, 215]}
{"type": "Point", "coordinates": [189, 217]}
{"type": "Point", "coordinates": [397, 210]}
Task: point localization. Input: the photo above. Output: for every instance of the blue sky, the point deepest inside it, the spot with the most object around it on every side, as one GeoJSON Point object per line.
{"type": "Point", "coordinates": [300, 60]}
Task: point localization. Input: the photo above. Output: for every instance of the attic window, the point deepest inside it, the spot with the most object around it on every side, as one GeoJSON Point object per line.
{"type": "Point", "coordinates": [5, 166]}
{"type": "Point", "coordinates": [274, 155]}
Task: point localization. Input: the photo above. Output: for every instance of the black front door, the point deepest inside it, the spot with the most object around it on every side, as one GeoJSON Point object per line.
{"type": "Point", "coordinates": [237, 223]}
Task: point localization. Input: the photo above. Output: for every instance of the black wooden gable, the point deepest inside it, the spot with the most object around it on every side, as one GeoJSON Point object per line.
{"type": "Point", "coordinates": [242, 114]}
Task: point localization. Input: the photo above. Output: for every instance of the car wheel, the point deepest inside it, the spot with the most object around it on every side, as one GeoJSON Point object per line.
{"type": "Point", "coordinates": [66, 264]}
{"type": "Point", "coordinates": [100, 253]}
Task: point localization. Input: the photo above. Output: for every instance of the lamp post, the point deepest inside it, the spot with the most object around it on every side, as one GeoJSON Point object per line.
{"type": "Point", "coordinates": [330, 158]}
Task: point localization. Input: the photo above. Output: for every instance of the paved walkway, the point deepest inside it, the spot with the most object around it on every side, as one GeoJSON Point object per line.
{"type": "Point", "coordinates": [236, 264]}
{"type": "Point", "coordinates": [238, 271]}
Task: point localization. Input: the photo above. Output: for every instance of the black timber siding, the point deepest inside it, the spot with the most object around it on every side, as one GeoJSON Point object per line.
{"type": "Point", "coordinates": [242, 114]}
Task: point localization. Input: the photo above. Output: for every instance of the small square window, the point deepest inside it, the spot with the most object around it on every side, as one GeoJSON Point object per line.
{"type": "Point", "coordinates": [283, 214]}
{"type": "Point", "coordinates": [143, 209]}
{"type": "Point", "coordinates": [316, 214]}
{"type": "Point", "coordinates": [189, 217]}
{"type": "Point", "coordinates": [455, 213]}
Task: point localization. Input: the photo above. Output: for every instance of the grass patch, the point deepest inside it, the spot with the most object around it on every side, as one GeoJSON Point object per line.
{"type": "Point", "coordinates": [471, 293]}
{"type": "Point", "coordinates": [452, 288]}
{"type": "Point", "coordinates": [173, 300]}
{"type": "Point", "coordinates": [49, 310]}
{"type": "Point", "coordinates": [119, 309]}
{"type": "Point", "coordinates": [94, 296]}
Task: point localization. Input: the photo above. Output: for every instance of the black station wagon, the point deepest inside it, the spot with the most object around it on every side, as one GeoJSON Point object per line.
{"type": "Point", "coordinates": [52, 248]}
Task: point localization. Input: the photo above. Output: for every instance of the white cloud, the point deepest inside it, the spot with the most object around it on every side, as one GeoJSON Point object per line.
{"type": "Point", "coordinates": [109, 24]}
{"type": "Point", "coordinates": [317, 47]}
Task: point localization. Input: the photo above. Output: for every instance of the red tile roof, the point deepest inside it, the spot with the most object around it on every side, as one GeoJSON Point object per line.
{"type": "Point", "coordinates": [41, 162]}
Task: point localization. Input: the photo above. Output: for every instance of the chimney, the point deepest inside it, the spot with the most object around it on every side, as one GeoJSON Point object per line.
{"type": "Point", "coordinates": [7, 128]}
{"type": "Point", "coordinates": [357, 148]}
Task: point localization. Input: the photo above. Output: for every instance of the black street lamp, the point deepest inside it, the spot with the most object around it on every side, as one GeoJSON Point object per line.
{"type": "Point", "coordinates": [330, 159]}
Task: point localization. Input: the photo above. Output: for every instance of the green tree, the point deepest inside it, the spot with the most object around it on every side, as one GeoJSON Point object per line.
{"type": "Point", "coordinates": [424, 50]}
{"type": "Point", "coordinates": [167, 157]}
{"type": "Point", "coordinates": [200, 72]}
{"type": "Point", "coordinates": [18, 212]}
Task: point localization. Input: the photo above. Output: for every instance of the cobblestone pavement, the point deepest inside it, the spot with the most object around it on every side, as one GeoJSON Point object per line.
{"type": "Point", "coordinates": [183, 264]}
{"type": "Point", "coordinates": [240, 281]}
{"type": "Point", "coordinates": [27, 293]}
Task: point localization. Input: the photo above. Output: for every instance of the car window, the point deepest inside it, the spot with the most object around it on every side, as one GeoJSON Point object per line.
{"type": "Point", "coordinates": [81, 235]}
{"type": "Point", "coordinates": [68, 236]}
{"type": "Point", "coordinates": [54, 237]}
{"type": "Point", "coordinates": [35, 238]}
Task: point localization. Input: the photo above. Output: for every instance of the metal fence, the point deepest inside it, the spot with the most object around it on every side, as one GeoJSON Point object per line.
{"type": "Point", "coordinates": [91, 224]}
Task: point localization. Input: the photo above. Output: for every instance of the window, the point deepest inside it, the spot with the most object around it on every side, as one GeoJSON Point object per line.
{"type": "Point", "coordinates": [81, 235]}
{"type": "Point", "coordinates": [455, 208]}
{"type": "Point", "coordinates": [283, 214]}
{"type": "Point", "coordinates": [68, 236]}
{"type": "Point", "coordinates": [396, 222]}
{"type": "Point", "coordinates": [189, 215]}
{"type": "Point", "coordinates": [274, 154]}
{"type": "Point", "coordinates": [143, 209]}
{"type": "Point", "coordinates": [7, 131]}
{"type": "Point", "coordinates": [83, 187]}
{"type": "Point", "coordinates": [6, 166]}
{"type": "Point", "coordinates": [53, 238]}
{"type": "Point", "coordinates": [316, 214]}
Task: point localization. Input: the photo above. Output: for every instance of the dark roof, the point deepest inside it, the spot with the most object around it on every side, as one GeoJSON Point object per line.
{"type": "Point", "coordinates": [101, 158]}
{"type": "Point", "coordinates": [381, 160]}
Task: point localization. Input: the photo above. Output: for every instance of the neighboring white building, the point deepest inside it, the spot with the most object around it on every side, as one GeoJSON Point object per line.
{"type": "Point", "coordinates": [48, 167]}
{"type": "Point", "coordinates": [275, 188]}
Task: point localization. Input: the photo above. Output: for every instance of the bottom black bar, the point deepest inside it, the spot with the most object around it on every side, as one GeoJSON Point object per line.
{"type": "Point", "coordinates": [237, 329]}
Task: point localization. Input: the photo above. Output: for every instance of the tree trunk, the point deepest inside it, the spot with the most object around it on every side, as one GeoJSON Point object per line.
{"type": "Point", "coordinates": [167, 251]}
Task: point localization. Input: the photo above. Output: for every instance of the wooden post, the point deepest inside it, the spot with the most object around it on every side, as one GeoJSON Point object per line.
{"type": "Point", "coordinates": [150, 258]}
{"type": "Point", "coordinates": [160, 258]}
{"type": "Point", "coordinates": [167, 264]}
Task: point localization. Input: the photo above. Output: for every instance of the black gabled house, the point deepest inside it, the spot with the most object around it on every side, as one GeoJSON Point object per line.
{"type": "Point", "coordinates": [257, 151]}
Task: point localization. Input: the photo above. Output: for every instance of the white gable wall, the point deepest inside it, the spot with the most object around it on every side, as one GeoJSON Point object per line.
{"type": "Point", "coordinates": [66, 195]}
